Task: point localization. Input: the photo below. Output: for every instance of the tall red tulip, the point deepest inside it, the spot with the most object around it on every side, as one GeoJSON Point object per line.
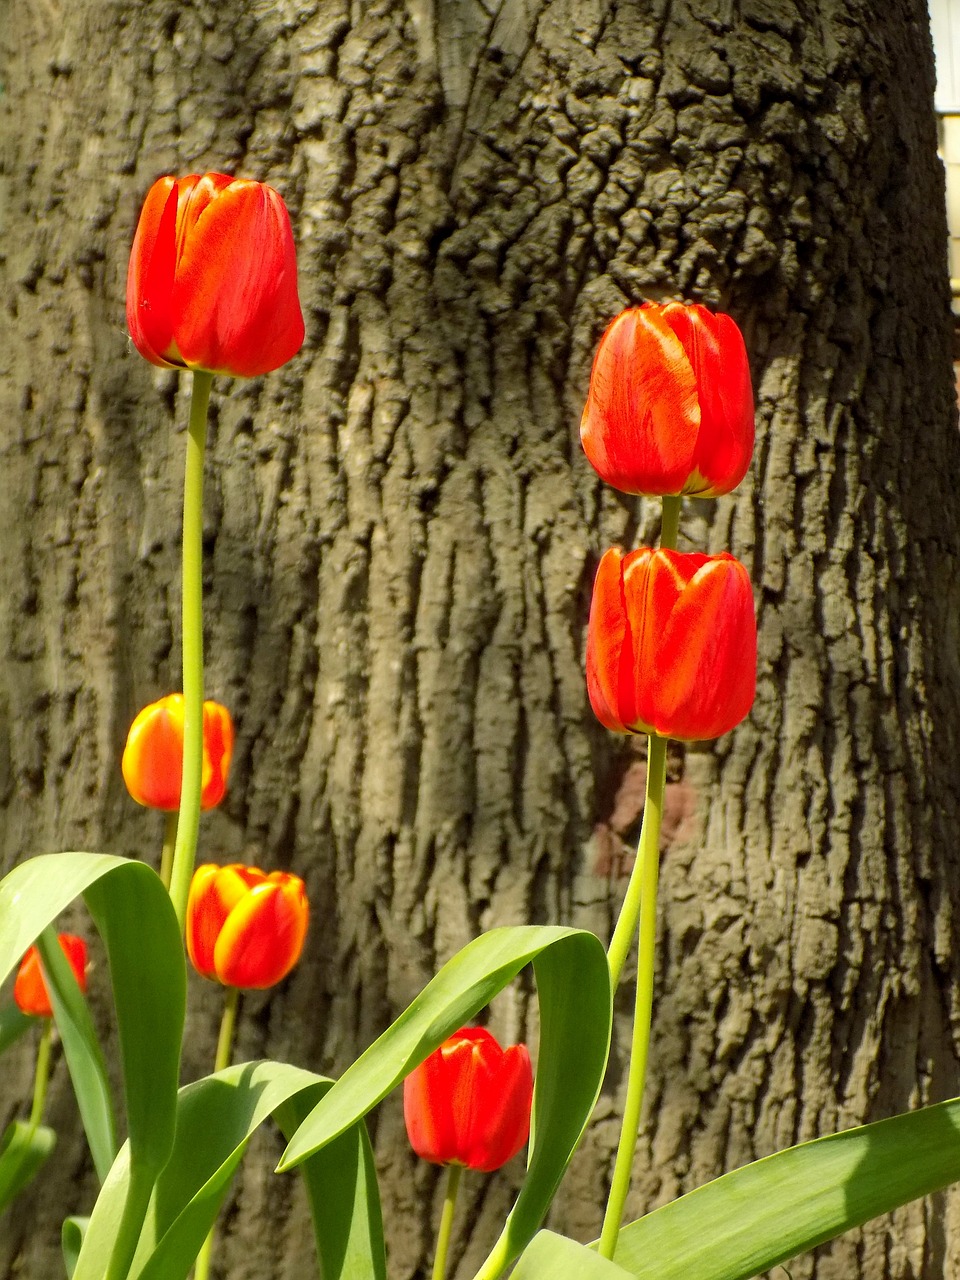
{"type": "Point", "coordinates": [212, 281]}
{"type": "Point", "coordinates": [245, 928]}
{"type": "Point", "coordinates": [30, 989]}
{"type": "Point", "coordinates": [469, 1102]}
{"type": "Point", "coordinates": [152, 761]}
{"type": "Point", "coordinates": [670, 406]}
{"type": "Point", "coordinates": [671, 643]}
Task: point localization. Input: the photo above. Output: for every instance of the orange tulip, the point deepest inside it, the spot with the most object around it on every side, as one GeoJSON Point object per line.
{"type": "Point", "coordinates": [30, 989]}
{"type": "Point", "coordinates": [152, 762]}
{"type": "Point", "coordinates": [212, 281]}
{"type": "Point", "coordinates": [671, 643]}
{"type": "Point", "coordinates": [245, 928]}
{"type": "Point", "coordinates": [670, 406]}
{"type": "Point", "coordinates": [469, 1102]}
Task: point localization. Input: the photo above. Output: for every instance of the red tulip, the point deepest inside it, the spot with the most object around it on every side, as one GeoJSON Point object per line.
{"type": "Point", "coordinates": [30, 989]}
{"type": "Point", "coordinates": [152, 762]}
{"type": "Point", "coordinates": [212, 281]}
{"type": "Point", "coordinates": [670, 406]}
{"type": "Point", "coordinates": [671, 643]}
{"type": "Point", "coordinates": [469, 1102]}
{"type": "Point", "coordinates": [245, 928]}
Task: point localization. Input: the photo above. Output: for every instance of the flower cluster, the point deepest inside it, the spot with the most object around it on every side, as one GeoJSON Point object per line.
{"type": "Point", "coordinates": [672, 640]}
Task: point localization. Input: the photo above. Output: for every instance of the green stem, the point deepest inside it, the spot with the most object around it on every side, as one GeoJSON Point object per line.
{"type": "Point", "coordinates": [224, 1052]}
{"type": "Point", "coordinates": [446, 1221]}
{"type": "Point", "coordinates": [169, 842]}
{"type": "Point", "coordinates": [626, 926]}
{"type": "Point", "coordinates": [185, 851]}
{"type": "Point", "coordinates": [41, 1077]}
{"type": "Point", "coordinates": [648, 860]}
{"type": "Point", "coordinates": [670, 522]}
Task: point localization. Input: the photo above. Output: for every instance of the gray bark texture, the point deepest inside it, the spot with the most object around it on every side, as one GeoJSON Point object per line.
{"type": "Point", "coordinates": [401, 534]}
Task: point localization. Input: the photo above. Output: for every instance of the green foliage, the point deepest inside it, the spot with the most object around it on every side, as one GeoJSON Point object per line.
{"type": "Point", "coordinates": [24, 1148]}
{"type": "Point", "coordinates": [573, 984]}
{"type": "Point", "coordinates": [553, 1257]}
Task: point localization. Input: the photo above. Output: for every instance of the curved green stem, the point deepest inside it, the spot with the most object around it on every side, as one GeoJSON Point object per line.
{"type": "Point", "coordinates": [41, 1077]}
{"type": "Point", "coordinates": [670, 523]}
{"type": "Point", "coordinates": [224, 1053]}
{"type": "Point", "coordinates": [446, 1221]}
{"type": "Point", "coordinates": [626, 926]}
{"type": "Point", "coordinates": [648, 863]}
{"type": "Point", "coordinates": [185, 850]}
{"type": "Point", "coordinates": [169, 843]}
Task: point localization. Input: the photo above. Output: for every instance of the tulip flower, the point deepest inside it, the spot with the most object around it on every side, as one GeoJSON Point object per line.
{"type": "Point", "coordinates": [245, 928]}
{"type": "Point", "coordinates": [212, 281]}
{"type": "Point", "coordinates": [671, 643]}
{"type": "Point", "coordinates": [469, 1102]}
{"type": "Point", "coordinates": [152, 761]}
{"type": "Point", "coordinates": [670, 406]}
{"type": "Point", "coordinates": [30, 989]}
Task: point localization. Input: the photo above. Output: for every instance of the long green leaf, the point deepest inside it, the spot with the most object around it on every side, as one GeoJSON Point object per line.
{"type": "Point", "coordinates": [768, 1212]}
{"type": "Point", "coordinates": [13, 1024]}
{"type": "Point", "coordinates": [575, 1010]}
{"type": "Point", "coordinates": [216, 1117]}
{"type": "Point", "coordinates": [135, 917]}
{"type": "Point", "coordinates": [85, 1060]}
{"type": "Point", "coordinates": [23, 1150]}
{"type": "Point", "coordinates": [552, 1257]}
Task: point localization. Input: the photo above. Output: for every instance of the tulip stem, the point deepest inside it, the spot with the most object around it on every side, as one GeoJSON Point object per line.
{"type": "Point", "coordinates": [670, 522]}
{"type": "Point", "coordinates": [41, 1077]}
{"type": "Point", "coordinates": [169, 842]}
{"type": "Point", "coordinates": [185, 850]}
{"type": "Point", "coordinates": [630, 912]}
{"type": "Point", "coordinates": [446, 1220]}
{"type": "Point", "coordinates": [648, 863]}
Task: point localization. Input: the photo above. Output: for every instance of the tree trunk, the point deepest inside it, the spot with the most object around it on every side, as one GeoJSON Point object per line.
{"type": "Point", "coordinates": [402, 533]}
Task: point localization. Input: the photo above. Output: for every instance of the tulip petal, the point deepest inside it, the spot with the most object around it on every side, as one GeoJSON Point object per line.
{"type": "Point", "coordinates": [30, 990]}
{"type": "Point", "coordinates": [214, 892]}
{"type": "Point", "coordinates": [718, 356]}
{"type": "Point", "coordinates": [707, 654]}
{"type": "Point", "coordinates": [607, 633]}
{"type": "Point", "coordinates": [235, 295]}
{"type": "Point", "coordinates": [428, 1111]}
{"type": "Point", "coordinates": [150, 274]}
{"type": "Point", "coordinates": [642, 417]}
{"type": "Point", "coordinates": [152, 763]}
{"type": "Point", "coordinates": [262, 937]}
{"type": "Point", "coordinates": [503, 1124]}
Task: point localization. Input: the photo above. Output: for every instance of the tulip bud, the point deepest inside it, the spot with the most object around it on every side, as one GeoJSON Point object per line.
{"type": "Point", "coordinates": [671, 643]}
{"type": "Point", "coordinates": [469, 1102]}
{"type": "Point", "coordinates": [212, 281]}
{"type": "Point", "coordinates": [670, 406]}
{"type": "Point", "coordinates": [245, 928]}
{"type": "Point", "coordinates": [152, 762]}
{"type": "Point", "coordinates": [30, 989]}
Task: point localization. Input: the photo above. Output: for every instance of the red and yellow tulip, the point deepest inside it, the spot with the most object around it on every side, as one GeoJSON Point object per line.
{"type": "Point", "coordinates": [152, 763]}
{"type": "Point", "coordinates": [245, 928]}
{"type": "Point", "coordinates": [30, 989]}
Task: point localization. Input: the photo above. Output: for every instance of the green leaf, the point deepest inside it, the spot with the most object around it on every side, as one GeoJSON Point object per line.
{"type": "Point", "coordinates": [762, 1215]}
{"type": "Point", "coordinates": [216, 1117]}
{"type": "Point", "coordinates": [549, 1256]}
{"type": "Point", "coordinates": [85, 1061]}
{"type": "Point", "coordinates": [136, 920]}
{"type": "Point", "coordinates": [573, 985]}
{"type": "Point", "coordinates": [23, 1150]}
{"type": "Point", "coordinates": [13, 1024]}
{"type": "Point", "coordinates": [71, 1238]}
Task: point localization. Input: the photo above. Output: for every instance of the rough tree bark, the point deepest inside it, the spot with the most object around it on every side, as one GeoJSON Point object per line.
{"type": "Point", "coordinates": [401, 536]}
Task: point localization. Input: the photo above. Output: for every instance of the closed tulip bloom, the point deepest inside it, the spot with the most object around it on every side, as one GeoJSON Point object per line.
{"type": "Point", "coordinates": [469, 1102]}
{"type": "Point", "coordinates": [245, 928]}
{"type": "Point", "coordinates": [670, 406]}
{"type": "Point", "coordinates": [30, 989]}
{"type": "Point", "coordinates": [671, 643]}
{"type": "Point", "coordinates": [212, 281]}
{"type": "Point", "coordinates": [152, 761]}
